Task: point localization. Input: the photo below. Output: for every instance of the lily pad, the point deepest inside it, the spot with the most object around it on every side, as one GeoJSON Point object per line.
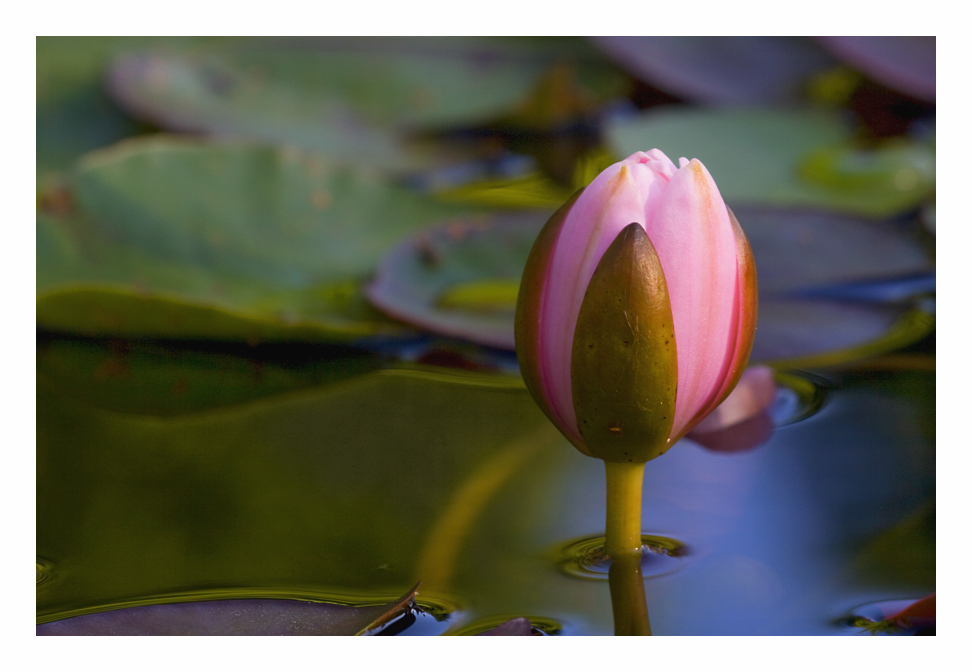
{"type": "Point", "coordinates": [716, 70]}
{"type": "Point", "coordinates": [462, 280]}
{"type": "Point", "coordinates": [516, 627]}
{"type": "Point", "coordinates": [74, 113]}
{"type": "Point", "coordinates": [177, 238]}
{"type": "Point", "coordinates": [785, 158]}
{"type": "Point", "coordinates": [350, 99]}
{"type": "Point", "coordinates": [233, 617]}
{"type": "Point", "coordinates": [162, 380]}
{"type": "Point", "coordinates": [806, 333]}
{"type": "Point", "coordinates": [797, 250]}
{"type": "Point", "coordinates": [360, 488]}
{"type": "Point", "coordinates": [903, 63]}
{"type": "Point", "coordinates": [331, 494]}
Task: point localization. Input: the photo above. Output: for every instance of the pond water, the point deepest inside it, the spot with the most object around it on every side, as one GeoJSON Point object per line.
{"type": "Point", "coordinates": [340, 476]}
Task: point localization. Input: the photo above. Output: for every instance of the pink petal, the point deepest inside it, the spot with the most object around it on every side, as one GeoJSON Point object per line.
{"type": "Point", "coordinates": [620, 195]}
{"type": "Point", "coordinates": [690, 229]}
{"type": "Point", "coordinates": [746, 306]}
{"type": "Point", "coordinates": [739, 438]}
{"type": "Point", "coordinates": [753, 394]}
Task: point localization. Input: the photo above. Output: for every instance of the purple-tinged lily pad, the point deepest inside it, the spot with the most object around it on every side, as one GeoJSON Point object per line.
{"type": "Point", "coordinates": [716, 70]}
{"type": "Point", "coordinates": [516, 627]}
{"type": "Point", "coordinates": [797, 250]}
{"type": "Point", "coordinates": [460, 279]}
{"type": "Point", "coordinates": [805, 333]}
{"type": "Point", "coordinates": [906, 64]}
{"type": "Point", "coordinates": [234, 617]}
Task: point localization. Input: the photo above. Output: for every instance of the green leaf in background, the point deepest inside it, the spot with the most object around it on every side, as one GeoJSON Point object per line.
{"type": "Point", "coordinates": [341, 490]}
{"type": "Point", "coordinates": [785, 158]}
{"type": "Point", "coordinates": [348, 98]}
{"type": "Point", "coordinates": [161, 380]}
{"type": "Point", "coordinates": [460, 279]}
{"type": "Point", "coordinates": [178, 238]}
{"type": "Point", "coordinates": [74, 114]}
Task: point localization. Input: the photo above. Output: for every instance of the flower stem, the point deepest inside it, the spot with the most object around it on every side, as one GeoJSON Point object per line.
{"type": "Point", "coordinates": [624, 480]}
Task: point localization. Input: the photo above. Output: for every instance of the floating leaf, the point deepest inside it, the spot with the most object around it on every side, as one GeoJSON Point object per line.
{"type": "Point", "coordinates": [325, 493]}
{"type": "Point", "coordinates": [160, 379]}
{"type": "Point", "coordinates": [429, 279]}
{"type": "Point", "coordinates": [233, 617]}
{"type": "Point", "coordinates": [761, 157]}
{"type": "Point", "coordinates": [796, 250]}
{"type": "Point", "coordinates": [514, 627]}
{"type": "Point", "coordinates": [181, 239]}
{"type": "Point", "coordinates": [721, 70]}
{"type": "Point", "coordinates": [347, 99]}
{"type": "Point", "coordinates": [906, 64]}
{"type": "Point", "coordinates": [74, 115]}
{"type": "Point", "coordinates": [804, 333]}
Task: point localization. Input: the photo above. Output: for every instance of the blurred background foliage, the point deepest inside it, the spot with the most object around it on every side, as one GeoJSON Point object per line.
{"type": "Point", "coordinates": [232, 223]}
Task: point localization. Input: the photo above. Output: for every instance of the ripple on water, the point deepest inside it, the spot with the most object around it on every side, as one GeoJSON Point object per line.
{"type": "Point", "coordinates": [45, 570]}
{"type": "Point", "coordinates": [585, 559]}
{"type": "Point", "coordinates": [798, 397]}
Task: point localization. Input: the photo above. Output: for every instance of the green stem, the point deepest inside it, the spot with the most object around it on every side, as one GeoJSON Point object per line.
{"type": "Point", "coordinates": [624, 480]}
{"type": "Point", "coordinates": [628, 596]}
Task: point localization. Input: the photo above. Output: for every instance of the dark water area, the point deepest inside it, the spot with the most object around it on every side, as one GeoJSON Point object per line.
{"type": "Point", "coordinates": [350, 490]}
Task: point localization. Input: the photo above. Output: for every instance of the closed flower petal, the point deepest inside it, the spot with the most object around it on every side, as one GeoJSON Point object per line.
{"type": "Point", "coordinates": [698, 270]}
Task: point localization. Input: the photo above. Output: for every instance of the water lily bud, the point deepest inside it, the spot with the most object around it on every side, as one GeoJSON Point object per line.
{"type": "Point", "coordinates": [637, 308]}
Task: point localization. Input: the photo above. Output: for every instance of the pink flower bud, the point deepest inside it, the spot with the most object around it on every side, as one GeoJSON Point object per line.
{"type": "Point", "coordinates": [637, 308]}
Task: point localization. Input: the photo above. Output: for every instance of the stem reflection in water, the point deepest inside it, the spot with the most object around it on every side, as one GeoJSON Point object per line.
{"type": "Point", "coordinates": [628, 596]}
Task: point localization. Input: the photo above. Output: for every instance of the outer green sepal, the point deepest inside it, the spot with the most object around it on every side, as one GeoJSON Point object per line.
{"type": "Point", "coordinates": [624, 370]}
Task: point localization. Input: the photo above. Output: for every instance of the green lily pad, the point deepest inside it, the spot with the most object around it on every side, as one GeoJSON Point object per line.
{"type": "Point", "coordinates": [161, 380]}
{"type": "Point", "coordinates": [786, 158]}
{"type": "Point", "coordinates": [233, 617]}
{"type": "Point", "coordinates": [460, 279]}
{"type": "Point", "coordinates": [74, 114]}
{"type": "Point", "coordinates": [182, 239]}
{"type": "Point", "coordinates": [334, 494]}
{"type": "Point", "coordinates": [351, 99]}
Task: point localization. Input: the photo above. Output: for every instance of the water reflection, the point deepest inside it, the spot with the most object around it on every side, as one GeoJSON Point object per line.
{"type": "Point", "coordinates": [317, 495]}
{"type": "Point", "coordinates": [628, 596]}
